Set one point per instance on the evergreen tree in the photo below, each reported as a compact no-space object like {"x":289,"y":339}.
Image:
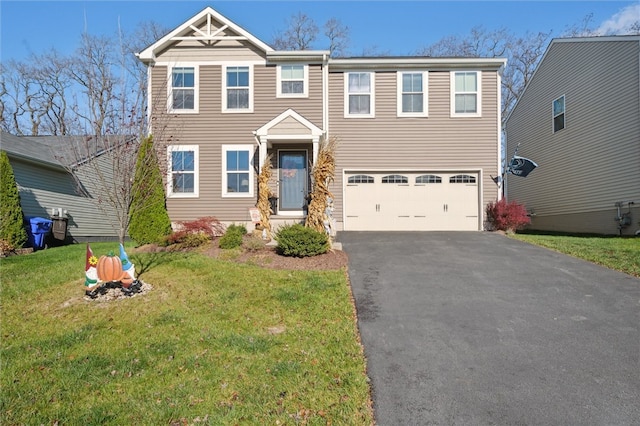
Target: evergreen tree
{"x":11,"y":219}
{"x":149,"y":220}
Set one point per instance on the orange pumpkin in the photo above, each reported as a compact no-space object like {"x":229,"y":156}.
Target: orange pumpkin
{"x":109,"y":268}
{"x":126,"y":280}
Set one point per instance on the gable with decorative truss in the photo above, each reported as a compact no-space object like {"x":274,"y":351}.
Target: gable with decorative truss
{"x":205,"y":31}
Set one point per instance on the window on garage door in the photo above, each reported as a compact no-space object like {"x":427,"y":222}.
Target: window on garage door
{"x":462,"y":179}
{"x":428,"y":179}
{"x":395,"y":179}
{"x":360,"y":179}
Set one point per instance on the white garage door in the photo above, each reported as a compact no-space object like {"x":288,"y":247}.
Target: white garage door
{"x":415,"y":201}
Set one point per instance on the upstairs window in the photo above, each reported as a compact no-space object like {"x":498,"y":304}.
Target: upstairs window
{"x":558,"y":114}
{"x":465,"y":93}
{"x":183,"y":171}
{"x":412,"y":94}
{"x":293,"y":81}
{"x":237,"y":89}
{"x":359,"y":94}
{"x":183,"y":91}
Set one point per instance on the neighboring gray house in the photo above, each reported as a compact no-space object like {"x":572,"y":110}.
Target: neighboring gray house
{"x":418,"y":137}
{"x":45,"y":185}
{"x":579,"y":119}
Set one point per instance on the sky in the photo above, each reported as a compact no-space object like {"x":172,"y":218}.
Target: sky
{"x":393,"y":27}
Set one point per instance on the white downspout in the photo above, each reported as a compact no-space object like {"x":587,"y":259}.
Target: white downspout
{"x":325,"y":95}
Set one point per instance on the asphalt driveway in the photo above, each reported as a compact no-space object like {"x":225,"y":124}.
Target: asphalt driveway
{"x":474,"y":328}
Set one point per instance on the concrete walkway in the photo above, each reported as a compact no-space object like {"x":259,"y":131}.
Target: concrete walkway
{"x":472,"y":328}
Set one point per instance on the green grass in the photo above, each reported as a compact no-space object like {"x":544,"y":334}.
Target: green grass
{"x":213,"y":343}
{"x":619,"y":253}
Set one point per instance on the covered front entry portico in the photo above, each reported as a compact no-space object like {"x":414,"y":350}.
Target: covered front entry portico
{"x":293,"y":142}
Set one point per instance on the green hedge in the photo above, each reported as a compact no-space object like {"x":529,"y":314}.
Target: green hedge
{"x":300,"y":241}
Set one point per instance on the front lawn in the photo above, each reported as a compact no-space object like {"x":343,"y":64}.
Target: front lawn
{"x":619,"y":253}
{"x":214,"y":343}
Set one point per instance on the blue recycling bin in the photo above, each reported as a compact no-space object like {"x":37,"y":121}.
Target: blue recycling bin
{"x":37,"y":230}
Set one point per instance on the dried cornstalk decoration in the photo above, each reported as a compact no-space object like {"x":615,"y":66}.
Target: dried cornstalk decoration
{"x":318,"y":217}
{"x":264,"y":193}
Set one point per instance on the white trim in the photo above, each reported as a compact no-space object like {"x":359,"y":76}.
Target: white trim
{"x":196,"y":88}
{"x":210,"y":62}
{"x":425,"y":94}
{"x":227,"y":110}
{"x":241,"y":147}
{"x":305,"y":82}
{"x":314,"y":131}
{"x":196,"y":171}
{"x":478,"y":94}
{"x":372,"y":95}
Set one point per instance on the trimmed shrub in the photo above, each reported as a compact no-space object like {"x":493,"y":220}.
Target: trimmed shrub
{"x":148,"y":218}
{"x":232,"y":238}
{"x":11,"y":218}
{"x":507,"y":216}
{"x":300,"y":241}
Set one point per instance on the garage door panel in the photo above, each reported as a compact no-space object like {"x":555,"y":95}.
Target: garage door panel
{"x":404,"y":201}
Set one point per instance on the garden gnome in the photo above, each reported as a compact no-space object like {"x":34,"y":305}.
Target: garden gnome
{"x":127,"y":267}
{"x":90,"y":271}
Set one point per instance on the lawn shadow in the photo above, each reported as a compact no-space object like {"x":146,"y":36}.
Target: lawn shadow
{"x":147,"y":261}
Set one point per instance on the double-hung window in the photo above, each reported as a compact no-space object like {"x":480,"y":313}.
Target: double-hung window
{"x":359,"y":88}
{"x":237,"y":170}
{"x":182,"y":179}
{"x":293,"y":81}
{"x":465,"y":93}
{"x":558,"y":114}
{"x":183,"y":96}
{"x":237,"y":89}
{"x":412,"y":94}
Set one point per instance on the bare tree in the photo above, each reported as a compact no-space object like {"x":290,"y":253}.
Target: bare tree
{"x":300,"y":33}
{"x":338,"y":35}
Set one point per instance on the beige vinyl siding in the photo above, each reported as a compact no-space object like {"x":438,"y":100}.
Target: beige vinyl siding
{"x":600,"y":221}
{"x":595,"y":160}
{"x":210,"y":129}
{"x":437,"y":142}
{"x":42,"y":189}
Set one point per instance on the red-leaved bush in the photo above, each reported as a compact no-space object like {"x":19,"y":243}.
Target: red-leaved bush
{"x":507,"y":216}
{"x":206,"y":225}
{"x":195,"y":232}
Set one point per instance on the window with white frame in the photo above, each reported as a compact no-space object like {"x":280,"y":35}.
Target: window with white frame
{"x":182,"y":179}
{"x":359,"y":88}
{"x":558,"y":114}
{"x":183,"y":96}
{"x":293,"y":81}
{"x":465,"y":93}
{"x":237,"y":89}
{"x":237,"y":170}
{"x":412,"y":94}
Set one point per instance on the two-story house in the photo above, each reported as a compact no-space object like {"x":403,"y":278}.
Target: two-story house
{"x":418,"y":137}
{"x":579,"y":119}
